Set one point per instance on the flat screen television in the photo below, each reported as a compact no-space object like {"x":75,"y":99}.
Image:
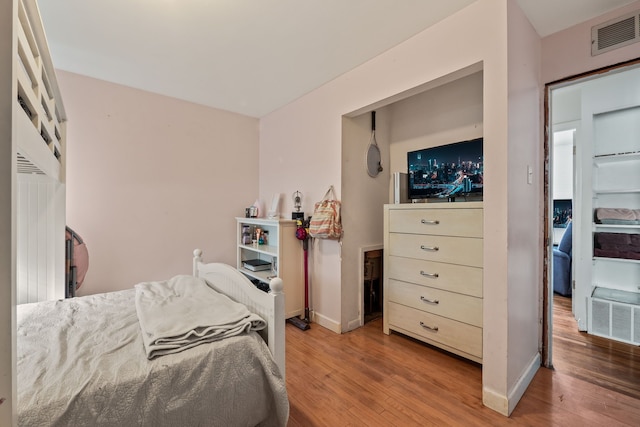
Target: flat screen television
{"x":447,"y":171}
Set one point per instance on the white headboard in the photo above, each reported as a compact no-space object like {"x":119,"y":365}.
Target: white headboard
{"x":270,"y":306}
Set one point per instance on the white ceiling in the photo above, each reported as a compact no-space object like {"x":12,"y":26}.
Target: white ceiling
{"x":252,"y":56}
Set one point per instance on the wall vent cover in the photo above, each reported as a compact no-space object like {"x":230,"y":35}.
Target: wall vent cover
{"x":26,"y":166}
{"x":618,"y":32}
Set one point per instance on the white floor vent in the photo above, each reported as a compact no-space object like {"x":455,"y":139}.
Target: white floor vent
{"x":618,"y":320}
{"x":619,"y":32}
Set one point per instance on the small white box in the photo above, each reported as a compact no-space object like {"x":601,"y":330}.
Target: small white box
{"x":400,"y":194}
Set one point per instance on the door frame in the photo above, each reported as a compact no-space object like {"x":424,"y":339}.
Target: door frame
{"x":547,"y":288}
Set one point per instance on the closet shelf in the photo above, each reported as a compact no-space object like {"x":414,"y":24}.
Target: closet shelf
{"x":620,"y":260}
{"x":615,"y":191}
{"x":262,"y":249}
{"x":616,"y":226}
{"x":616,"y":157}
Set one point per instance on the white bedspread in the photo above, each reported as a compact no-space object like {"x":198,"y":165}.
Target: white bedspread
{"x":81,"y":362}
{"x":184,"y":311}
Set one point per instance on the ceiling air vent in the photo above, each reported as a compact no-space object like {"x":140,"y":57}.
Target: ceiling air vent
{"x":616,"y":33}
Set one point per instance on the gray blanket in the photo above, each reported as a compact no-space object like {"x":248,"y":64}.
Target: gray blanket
{"x":183,"y":312}
{"x":82,"y":362}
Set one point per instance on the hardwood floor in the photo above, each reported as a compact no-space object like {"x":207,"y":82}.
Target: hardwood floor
{"x":366,"y":378}
{"x":609,"y":364}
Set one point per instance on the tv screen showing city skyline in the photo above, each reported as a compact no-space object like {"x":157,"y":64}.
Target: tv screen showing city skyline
{"x":446,"y":170}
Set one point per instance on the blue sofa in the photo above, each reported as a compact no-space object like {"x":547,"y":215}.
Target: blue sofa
{"x":562,"y":264}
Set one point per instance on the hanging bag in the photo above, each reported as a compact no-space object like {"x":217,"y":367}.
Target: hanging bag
{"x":325,"y":221}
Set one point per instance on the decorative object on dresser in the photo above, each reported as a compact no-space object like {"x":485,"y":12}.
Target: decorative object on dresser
{"x":280,"y":252}
{"x":400,"y":181}
{"x":433,"y":263}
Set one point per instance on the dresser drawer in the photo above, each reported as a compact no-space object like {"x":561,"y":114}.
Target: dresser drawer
{"x":442,"y":222}
{"x":454,"y":250}
{"x":451,"y":333}
{"x":450,"y":277}
{"x":462,"y":308}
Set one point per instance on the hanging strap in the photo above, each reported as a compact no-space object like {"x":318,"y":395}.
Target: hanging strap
{"x":330,"y":192}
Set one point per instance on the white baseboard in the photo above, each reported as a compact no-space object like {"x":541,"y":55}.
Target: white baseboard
{"x":354,"y":324}
{"x":325,"y":322}
{"x":506,"y":404}
{"x":495,"y":401}
{"x":523,"y":382}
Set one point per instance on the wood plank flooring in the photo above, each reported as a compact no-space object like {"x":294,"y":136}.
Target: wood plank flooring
{"x":366,"y":378}
{"x":606,"y":363}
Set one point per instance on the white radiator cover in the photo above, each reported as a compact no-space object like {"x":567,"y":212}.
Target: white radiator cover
{"x":40,"y":238}
{"x":615,"y":320}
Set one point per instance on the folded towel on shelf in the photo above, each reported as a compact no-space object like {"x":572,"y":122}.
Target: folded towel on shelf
{"x":184,"y":311}
{"x":606,"y":253}
{"x":608,"y":240}
{"x":618,"y":213}
{"x":616,"y":245}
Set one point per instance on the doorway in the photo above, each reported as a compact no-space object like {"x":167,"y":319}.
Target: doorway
{"x":372,"y":284}
{"x":565,"y":117}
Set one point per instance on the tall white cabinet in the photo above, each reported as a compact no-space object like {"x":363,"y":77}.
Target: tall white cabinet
{"x":282,"y":250}
{"x":607,"y":232}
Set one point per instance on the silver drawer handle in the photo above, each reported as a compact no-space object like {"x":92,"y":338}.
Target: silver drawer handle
{"x":430,"y":222}
{"x":429,"y":248}
{"x":431,"y":328}
{"x":430,"y":275}
{"x":430,"y":301}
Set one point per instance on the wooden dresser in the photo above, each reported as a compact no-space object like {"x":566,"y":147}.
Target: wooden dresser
{"x":433,"y":274}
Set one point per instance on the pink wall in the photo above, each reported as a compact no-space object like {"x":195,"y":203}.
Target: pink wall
{"x":567,"y":53}
{"x":151,"y":178}
{"x":525,"y":196}
{"x":300,"y":145}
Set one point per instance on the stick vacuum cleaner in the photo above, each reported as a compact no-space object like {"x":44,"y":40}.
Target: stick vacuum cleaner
{"x":302,"y":234}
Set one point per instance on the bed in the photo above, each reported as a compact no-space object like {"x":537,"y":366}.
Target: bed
{"x":82,"y":361}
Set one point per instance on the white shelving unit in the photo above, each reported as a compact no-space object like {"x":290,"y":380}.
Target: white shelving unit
{"x":614,"y":301}
{"x":282,"y":250}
